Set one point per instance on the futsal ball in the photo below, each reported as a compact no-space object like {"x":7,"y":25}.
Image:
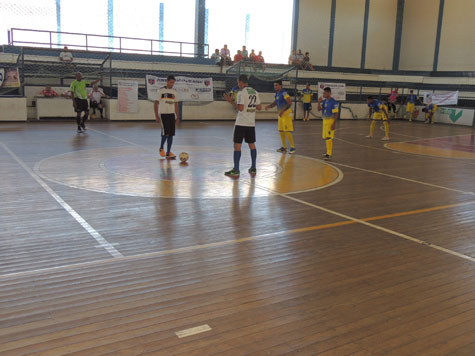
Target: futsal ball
{"x":184,"y":156}
{"x":93,"y":116}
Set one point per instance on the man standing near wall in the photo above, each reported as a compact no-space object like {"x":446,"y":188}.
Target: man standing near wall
{"x":79,"y":96}
{"x":411,"y":104}
{"x":307,"y":94}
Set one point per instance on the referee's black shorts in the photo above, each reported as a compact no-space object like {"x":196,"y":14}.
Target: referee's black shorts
{"x":81,"y":105}
{"x":246,"y":133}
{"x":168,"y":124}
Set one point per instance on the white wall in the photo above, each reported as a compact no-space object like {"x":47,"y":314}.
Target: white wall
{"x":457,"y":42}
{"x":348,"y":40}
{"x":419,"y":34}
{"x":13,"y":109}
{"x":314,"y":29}
{"x":381,"y":34}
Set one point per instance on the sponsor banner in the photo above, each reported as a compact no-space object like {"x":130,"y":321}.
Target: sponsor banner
{"x":128,"y":96}
{"x":189,"y":89}
{"x":338,"y":90}
{"x":9,"y":78}
{"x":454,"y":116}
{"x":450,"y":98}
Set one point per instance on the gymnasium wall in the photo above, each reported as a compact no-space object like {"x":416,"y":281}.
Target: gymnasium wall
{"x":381,"y":32}
{"x":419,"y":31}
{"x":418,"y":37}
{"x":457,"y":42}
{"x":314,"y":29}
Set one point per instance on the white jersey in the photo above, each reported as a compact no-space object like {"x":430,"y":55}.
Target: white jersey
{"x":66,"y":56}
{"x":167,"y":99}
{"x":248,"y":97}
{"x":96,"y":96}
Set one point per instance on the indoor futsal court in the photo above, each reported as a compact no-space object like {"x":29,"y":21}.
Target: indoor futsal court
{"x":371,"y":253}
{"x":244,"y":178}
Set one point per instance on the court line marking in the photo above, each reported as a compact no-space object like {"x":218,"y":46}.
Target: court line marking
{"x":393,"y":176}
{"x":94,"y":233}
{"x":232,"y":242}
{"x":193,"y":331}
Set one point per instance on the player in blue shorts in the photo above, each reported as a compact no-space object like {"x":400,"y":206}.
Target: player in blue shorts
{"x":307,"y":94}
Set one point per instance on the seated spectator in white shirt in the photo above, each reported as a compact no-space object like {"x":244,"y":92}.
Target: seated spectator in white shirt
{"x":216,"y":56}
{"x":300,"y":56}
{"x":66,"y":56}
{"x":293,"y":59}
{"x":95,"y":101}
{"x":226,"y":55}
{"x":48,"y":92}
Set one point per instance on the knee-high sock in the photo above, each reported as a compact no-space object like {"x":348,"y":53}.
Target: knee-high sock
{"x":253,"y":158}
{"x":78,"y":119}
{"x":169,"y":143}
{"x":84,"y":119}
{"x":290,"y":138}
{"x":371,"y":128}
{"x":101,"y":110}
{"x":237,"y":158}
{"x":164,"y":139}
{"x":282,"y":138}
{"x":329,"y":143}
{"x":386,"y":128}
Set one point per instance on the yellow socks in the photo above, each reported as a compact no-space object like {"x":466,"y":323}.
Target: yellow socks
{"x":329,"y":143}
{"x":291,"y":139}
{"x":386,"y":128}
{"x":371,"y":128}
{"x":282,"y":138}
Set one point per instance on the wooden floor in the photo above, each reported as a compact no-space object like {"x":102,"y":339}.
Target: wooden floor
{"x":107,"y":250}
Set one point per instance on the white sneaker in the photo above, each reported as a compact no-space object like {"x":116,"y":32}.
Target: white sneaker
{"x":369,"y":136}
{"x":385,"y":138}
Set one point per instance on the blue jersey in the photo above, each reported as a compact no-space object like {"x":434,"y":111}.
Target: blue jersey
{"x":329,"y":108}
{"x":234,"y":92}
{"x":376,"y":106}
{"x":281,"y":99}
{"x":412,"y":98}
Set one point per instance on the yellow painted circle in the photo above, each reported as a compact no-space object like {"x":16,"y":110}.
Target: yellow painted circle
{"x":140,"y":171}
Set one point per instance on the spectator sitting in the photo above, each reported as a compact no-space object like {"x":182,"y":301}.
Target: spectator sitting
{"x":293,"y":59}
{"x":305,"y":64}
{"x":300,"y":56}
{"x":95,"y":101}
{"x":260,"y":59}
{"x":245,"y":53}
{"x":66,"y":55}
{"x":238,"y":57}
{"x":48,"y":92}
{"x":217,"y":57}
{"x":226,"y":55}
{"x":252,"y":56}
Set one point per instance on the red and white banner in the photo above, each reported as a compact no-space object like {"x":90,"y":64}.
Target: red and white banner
{"x":450,"y":98}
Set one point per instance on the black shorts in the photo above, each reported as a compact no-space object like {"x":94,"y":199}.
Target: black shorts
{"x":307,"y":106}
{"x":81,"y":105}
{"x":94,"y":104}
{"x":168,"y":124}
{"x":246,"y":133}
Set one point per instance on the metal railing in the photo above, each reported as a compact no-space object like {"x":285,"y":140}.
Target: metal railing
{"x":87,"y":41}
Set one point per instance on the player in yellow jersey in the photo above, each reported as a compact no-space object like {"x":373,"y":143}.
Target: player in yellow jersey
{"x":307,"y":94}
{"x":286,"y":124}
{"x":378,"y":111}
{"x":329,"y":108}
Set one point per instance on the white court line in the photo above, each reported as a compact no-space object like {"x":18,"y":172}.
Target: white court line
{"x":96,"y":235}
{"x":377,"y":227}
{"x":193,"y":331}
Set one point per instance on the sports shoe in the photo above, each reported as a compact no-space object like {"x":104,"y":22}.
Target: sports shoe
{"x":369,"y":136}
{"x":232,"y":173}
{"x":327,"y":157}
{"x":252,"y":171}
{"x":385,"y":138}
{"x":292,"y":151}
{"x":282,"y":150}
{"x":162,"y":152}
{"x":80,"y":130}
{"x":170,"y":155}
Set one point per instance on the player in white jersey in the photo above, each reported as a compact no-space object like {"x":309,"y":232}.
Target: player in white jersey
{"x":167,"y":114}
{"x":248,"y":102}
